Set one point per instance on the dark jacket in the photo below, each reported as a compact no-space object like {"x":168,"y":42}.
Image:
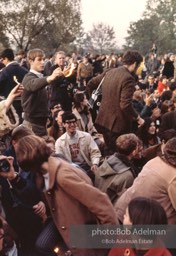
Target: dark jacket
{"x":59,"y":91}
{"x":168,"y":121}
{"x":168,"y":69}
{"x":7,"y":82}
{"x":18,"y":200}
{"x":34,"y":99}
{"x":116,"y":112}
{"x":138,"y":105}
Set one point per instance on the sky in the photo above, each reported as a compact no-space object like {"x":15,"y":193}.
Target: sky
{"x":116,"y":13}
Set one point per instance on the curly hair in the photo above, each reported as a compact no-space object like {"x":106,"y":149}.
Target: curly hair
{"x":126,"y":143}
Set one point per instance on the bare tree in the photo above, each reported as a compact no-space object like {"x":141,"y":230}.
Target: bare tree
{"x":102,"y":37}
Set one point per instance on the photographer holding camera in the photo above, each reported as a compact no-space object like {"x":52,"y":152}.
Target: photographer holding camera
{"x":21,"y":199}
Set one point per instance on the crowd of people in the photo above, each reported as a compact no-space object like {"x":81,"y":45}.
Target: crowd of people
{"x":67,"y":162}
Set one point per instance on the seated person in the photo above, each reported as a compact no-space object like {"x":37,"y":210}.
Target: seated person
{"x":78,"y":146}
{"x":150,"y":84}
{"x":168,"y":121}
{"x":117,"y":173}
{"x":84,"y":118}
{"x":52,"y":113}
{"x":162,"y":84}
{"x":148,"y":133}
{"x":143,"y":211}
{"x":21,"y":198}
{"x":69,"y":192}
{"x":158,"y":149}
{"x":138,"y":102}
{"x":56,"y":129}
{"x":156,"y":181}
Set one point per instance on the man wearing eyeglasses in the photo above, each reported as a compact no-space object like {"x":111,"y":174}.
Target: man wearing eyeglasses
{"x":78,"y":146}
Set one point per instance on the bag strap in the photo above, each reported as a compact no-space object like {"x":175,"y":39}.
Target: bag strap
{"x":99,"y":86}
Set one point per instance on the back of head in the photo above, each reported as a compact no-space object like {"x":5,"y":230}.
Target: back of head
{"x":68,"y":115}
{"x":7,"y":53}
{"x":49,"y":139}
{"x":146,"y":211}
{"x":126,"y":143}
{"x":172,"y":86}
{"x":20,"y":132}
{"x":167,"y":135}
{"x":166,"y":95}
{"x":131,"y":57}
{"x":32,"y":151}
{"x":165,"y":105}
{"x":170,"y":151}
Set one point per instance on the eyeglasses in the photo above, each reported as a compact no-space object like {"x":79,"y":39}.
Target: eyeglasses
{"x":70,"y":122}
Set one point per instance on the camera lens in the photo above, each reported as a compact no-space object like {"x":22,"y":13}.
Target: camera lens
{"x":4,"y":165}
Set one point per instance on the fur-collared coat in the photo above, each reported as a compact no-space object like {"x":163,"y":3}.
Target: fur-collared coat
{"x":9,"y":120}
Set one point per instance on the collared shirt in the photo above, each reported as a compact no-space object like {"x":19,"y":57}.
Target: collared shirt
{"x":11,"y":63}
{"x":40,"y":75}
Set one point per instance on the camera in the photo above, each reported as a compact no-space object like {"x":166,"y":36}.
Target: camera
{"x":4,"y":165}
